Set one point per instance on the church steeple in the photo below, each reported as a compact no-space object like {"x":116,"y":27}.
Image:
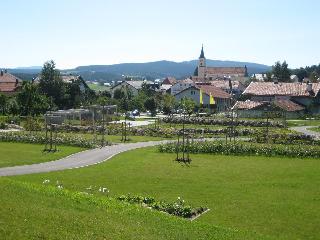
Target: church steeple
{"x":202,"y":53}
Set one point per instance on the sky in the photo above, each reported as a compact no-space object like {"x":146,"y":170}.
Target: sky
{"x":97,"y":32}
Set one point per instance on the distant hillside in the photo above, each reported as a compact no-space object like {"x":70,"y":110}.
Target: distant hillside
{"x":149,"y":70}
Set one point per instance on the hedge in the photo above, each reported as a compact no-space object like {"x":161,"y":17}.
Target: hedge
{"x":222,"y":122}
{"x":41,"y":139}
{"x":243,"y":148}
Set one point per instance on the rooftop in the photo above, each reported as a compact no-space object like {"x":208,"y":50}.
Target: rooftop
{"x":282,"y":89}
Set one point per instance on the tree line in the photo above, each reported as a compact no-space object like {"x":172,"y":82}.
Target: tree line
{"x":281,"y":72}
{"x":50,"y":92}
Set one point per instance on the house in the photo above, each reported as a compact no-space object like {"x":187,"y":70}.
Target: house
{"x":165,"y":88}
{"x":76,"y":79}
{"x":169,"y":81}
{"x":260,"y":77}
{"x":304,"y":94}
{"x":222,"y":99}
{"x":181,"y":85}
{"x":234,"y":87}
{"x":9,"y":84}
{"x":294,"y":78}
{"x":71,"y":79}
{"x":131,"y":86}
{"x":204,"y":73}
{"x":254,"y":109}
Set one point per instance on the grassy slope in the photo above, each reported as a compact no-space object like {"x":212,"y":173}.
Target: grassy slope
{"x":316,"y":129}
{"x":13,"y":154}
{"x":294,"y":123}
{"x":32,"y":212}
{"x":97,"y":87}
{"x":272,"y":196}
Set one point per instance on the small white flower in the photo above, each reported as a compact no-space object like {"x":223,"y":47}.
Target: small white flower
{"x":60,"y":186}
{"x":103,"y":190}
{"x":46,"y":181}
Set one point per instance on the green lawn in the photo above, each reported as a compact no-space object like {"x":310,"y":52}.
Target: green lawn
{"x":13,"y":154}
{"x":38,"y":212}
{"x":277,"y":197}
{"x":316,"y":129}
{"x":98,"y":87}
{"x":295,"y":123}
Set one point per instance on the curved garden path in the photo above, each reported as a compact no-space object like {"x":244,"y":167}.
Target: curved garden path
{"x":305,"y":130}
{"x":77,"y":160}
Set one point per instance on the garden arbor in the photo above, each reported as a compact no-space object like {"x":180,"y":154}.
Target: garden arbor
{"x":94,"y":117}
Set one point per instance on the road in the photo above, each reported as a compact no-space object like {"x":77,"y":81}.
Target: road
{"x":306,"y":131}
{"x":81,"y":159}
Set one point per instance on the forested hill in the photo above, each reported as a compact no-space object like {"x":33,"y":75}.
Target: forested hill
{"x":149,"y":70}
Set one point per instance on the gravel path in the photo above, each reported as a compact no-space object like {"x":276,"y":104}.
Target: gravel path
{"x":81,"y":159}
{"x":306,"y":131}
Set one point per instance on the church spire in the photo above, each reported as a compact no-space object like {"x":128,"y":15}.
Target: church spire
{"x":202,"y":53}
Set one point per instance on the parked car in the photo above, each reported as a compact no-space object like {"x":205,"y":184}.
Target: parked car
{"x":136,"y":112}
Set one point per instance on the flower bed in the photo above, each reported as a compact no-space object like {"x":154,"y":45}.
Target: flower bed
{"x":177,"y":208}
{"x":242,"y":148}
{"x":291,"y":138}
{"x":222,"y":122}
{"x":41,"y":139}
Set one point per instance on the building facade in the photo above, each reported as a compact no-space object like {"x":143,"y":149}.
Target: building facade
{"x":204,"y":73}
{"x":223,"y":100}
{"x":9,"y":84}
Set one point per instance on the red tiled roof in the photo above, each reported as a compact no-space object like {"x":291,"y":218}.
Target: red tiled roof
{"x":281,"y":89}
{"x":9,"y":83}
{"x":288,"y":105}
{"x":246,"y":105}
{"x":226,"y":70}
{"x":215,"y":92}
{"x":224,"y":84}
{"x":169,"y":80}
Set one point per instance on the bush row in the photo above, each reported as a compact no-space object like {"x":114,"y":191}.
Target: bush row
{"x":177,"y":208}
{"x":41,"y":139}
{"x":291,"y":138}
{"x":242,"y":148}
{"x":222,"y":122}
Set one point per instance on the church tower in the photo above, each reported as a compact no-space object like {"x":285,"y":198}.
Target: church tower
{"x":202,"y":65}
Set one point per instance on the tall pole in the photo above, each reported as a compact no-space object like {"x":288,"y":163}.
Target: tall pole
{"x":183,"y":134}
{"x":102,"y":143}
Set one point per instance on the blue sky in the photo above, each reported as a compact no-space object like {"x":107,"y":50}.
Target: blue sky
{"x":83,"y":32}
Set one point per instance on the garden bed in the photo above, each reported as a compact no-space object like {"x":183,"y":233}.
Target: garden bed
{"x":177,"y":208}
{"x":221,"y":122}
{"x":243,"y":148}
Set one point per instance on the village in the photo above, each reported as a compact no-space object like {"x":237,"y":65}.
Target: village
{"x":191,"y":120}
{"x":212,"y":89}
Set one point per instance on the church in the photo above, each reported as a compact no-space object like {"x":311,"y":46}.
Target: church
{"x":203,"y":73}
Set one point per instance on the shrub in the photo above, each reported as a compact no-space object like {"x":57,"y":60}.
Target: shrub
{"x":222,"y":122}
{"x":242,"y":148}
{"x":41,"y":139}
{"x":3,"y":125}
{"x":33,"y":124}
{"x":177,"y":208}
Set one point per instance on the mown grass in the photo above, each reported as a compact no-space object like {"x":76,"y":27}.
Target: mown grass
{"x":37,"y":212}
{"x":296,"y":123}
{"x":316,"y":129}
{"x":98,"y":87}
{"x":13,"y":154}
{"x":268,"y":195}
